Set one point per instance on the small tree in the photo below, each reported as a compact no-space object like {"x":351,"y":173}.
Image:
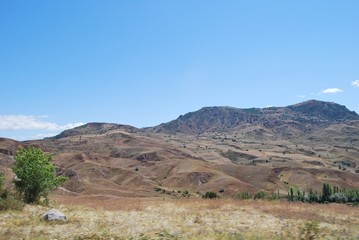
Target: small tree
{"x":291,"y":195}
{"x":35,"y":174}
{"x":260,"y":195}
{"x":327,"y":191}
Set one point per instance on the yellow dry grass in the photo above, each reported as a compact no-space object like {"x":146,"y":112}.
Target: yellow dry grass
{"x":130,"y":218}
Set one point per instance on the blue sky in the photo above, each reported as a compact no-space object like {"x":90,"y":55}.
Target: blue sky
{"x":63,"y":63}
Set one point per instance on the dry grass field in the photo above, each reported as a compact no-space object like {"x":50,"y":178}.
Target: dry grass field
{"x":128,"y":183}
{"x":194,"y":218}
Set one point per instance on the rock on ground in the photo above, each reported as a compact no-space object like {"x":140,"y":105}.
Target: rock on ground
{"x":54,"y":215}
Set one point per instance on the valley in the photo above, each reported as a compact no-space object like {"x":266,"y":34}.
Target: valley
{"x":223,"y":150}
{"x":130,"y":183}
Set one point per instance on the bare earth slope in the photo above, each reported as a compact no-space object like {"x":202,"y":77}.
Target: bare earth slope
{"x":217,"y":148}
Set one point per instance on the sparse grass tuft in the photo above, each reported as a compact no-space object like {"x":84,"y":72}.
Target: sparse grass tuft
{"x":310,"y":231}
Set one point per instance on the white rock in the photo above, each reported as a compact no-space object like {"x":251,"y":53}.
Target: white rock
{"x":54,"y":215}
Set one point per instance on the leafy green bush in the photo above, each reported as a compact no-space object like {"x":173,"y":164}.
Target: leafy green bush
{"x":35,"y":174}
{"x":210,"y":195}
{"x":260,"y":195}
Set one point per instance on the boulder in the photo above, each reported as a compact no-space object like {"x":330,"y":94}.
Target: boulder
{"x":54,"y":215}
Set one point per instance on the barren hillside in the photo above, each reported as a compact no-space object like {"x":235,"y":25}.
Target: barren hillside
{"x":213,"y":149}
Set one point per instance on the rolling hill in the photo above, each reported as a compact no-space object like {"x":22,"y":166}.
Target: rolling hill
{"x":215,"y":148}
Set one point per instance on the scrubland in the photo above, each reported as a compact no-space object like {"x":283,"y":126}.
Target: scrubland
{"x":193,"y":218}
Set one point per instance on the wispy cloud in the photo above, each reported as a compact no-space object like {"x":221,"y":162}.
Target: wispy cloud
{"x":332,"y":90}
{"x":31,"y":122}
{"x":42,"y":135}
{"x":355,"y":83}
{"x":301,"y":96}
{"x":33,"y":137}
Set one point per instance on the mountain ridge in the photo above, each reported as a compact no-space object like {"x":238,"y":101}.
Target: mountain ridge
{"x":93,"y":128}
{"x":311,"y":112}
{"x":224,"y":118}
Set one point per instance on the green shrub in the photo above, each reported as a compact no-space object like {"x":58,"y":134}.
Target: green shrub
{"x":186,"y":194}
{"x":210,"y":195}
{"x":260,"y":195}
{"x":274,"y":196}
{"x":35,"y":173}
{"x":244,"y":195}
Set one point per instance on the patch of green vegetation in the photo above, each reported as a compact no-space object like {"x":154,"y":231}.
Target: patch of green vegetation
{"x":330,"y":194}
{"x":186,"y":194}
{"x":210,"y":195}
{"x":259,"y":195}
{"x":8,"y":200}
{"x":36,"y":175}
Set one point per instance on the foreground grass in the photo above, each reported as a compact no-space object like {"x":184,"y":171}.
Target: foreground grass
{"x":94,"y":218}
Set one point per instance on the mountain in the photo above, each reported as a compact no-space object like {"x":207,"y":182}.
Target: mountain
{"x":215,"y":149}
{"x":325,"y":111}
{"x":301,"y":116}
{"x":92,"y":128}
{"x":210,"y":119}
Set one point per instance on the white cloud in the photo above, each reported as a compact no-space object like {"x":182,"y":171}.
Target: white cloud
{"x":32,"y":137}
{"x":301,"y":96}
{"x":42,"y":135}
{"x":332,"y":90}
{"x":355,"y":83}
{"x":30,"y":122}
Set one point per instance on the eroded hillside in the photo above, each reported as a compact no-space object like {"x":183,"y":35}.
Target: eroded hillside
{"x":231,"y":150}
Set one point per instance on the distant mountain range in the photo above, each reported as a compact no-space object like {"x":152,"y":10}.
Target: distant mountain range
{"x":300,"y":116}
